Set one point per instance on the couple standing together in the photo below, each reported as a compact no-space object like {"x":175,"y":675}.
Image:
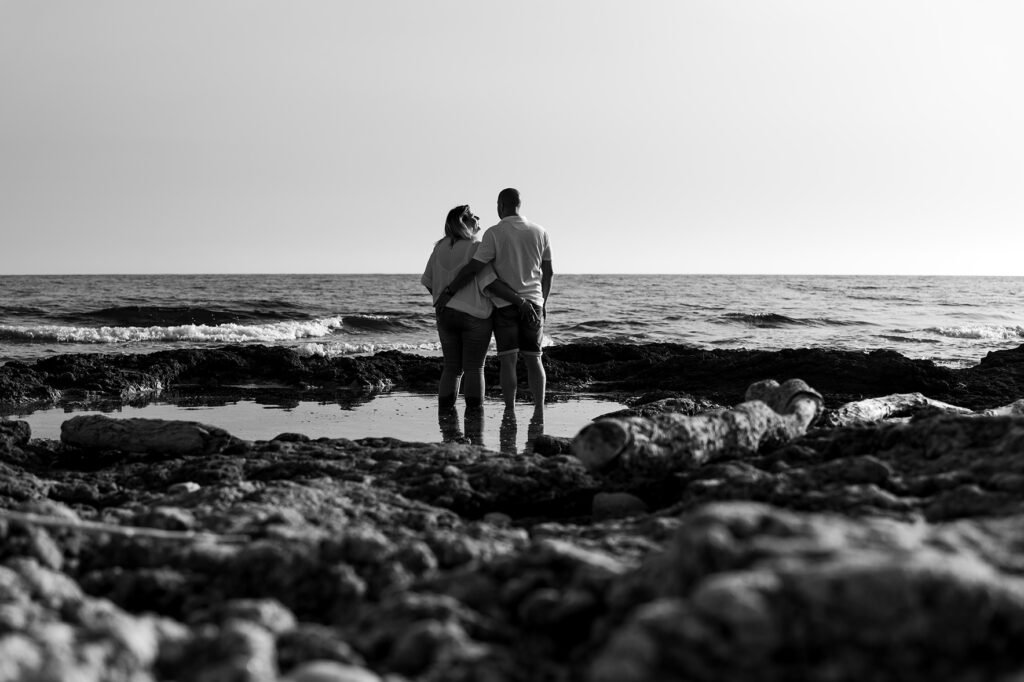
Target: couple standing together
{"x":495,"y":284}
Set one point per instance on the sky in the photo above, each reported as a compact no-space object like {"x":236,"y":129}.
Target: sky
{"x":646,"y":136}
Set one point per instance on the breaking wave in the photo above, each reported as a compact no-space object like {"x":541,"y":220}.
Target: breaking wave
{"x":177,"y":316}
{"x":332,"y":350}
{"x":775,"y":320}
{"x":984,"y":332}
{"x":222,"y":333}
{"x":382,"y":322}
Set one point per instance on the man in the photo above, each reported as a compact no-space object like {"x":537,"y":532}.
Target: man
{"x":521,"y":255}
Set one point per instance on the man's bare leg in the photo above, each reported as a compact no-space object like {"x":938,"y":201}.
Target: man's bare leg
{"x":537,"y":379}
{"x":508,"y":378}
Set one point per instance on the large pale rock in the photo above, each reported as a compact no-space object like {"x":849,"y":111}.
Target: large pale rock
{"x":1014,"y":409}
{"x":887,"y":407}
{"x":650,"y":446}
{"x":158,"y":436}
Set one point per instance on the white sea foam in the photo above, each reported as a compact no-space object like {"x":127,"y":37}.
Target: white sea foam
{"x":222,"y":333}
{"x":336,"y":349}
{"x":983,"y":332}
{"x":332,"y":350}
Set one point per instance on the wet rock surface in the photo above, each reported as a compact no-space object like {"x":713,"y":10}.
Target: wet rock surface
{"x":849,"y":550}
{"x":668,"y":370}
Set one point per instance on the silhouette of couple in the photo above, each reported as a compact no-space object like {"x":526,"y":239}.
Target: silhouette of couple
{"x":495,"y":283}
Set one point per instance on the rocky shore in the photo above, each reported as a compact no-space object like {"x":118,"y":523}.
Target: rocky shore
{"x":733,"y":532}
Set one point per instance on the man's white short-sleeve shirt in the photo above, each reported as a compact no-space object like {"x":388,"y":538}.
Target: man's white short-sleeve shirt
{"x":516,"y":247}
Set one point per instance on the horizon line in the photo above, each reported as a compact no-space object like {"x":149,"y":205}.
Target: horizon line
{"x":557,"y":274}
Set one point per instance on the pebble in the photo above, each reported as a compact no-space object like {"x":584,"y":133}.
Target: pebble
{"x":330,"y":671}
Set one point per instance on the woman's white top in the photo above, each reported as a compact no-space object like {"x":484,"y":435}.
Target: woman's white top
{"x":442,"y":267}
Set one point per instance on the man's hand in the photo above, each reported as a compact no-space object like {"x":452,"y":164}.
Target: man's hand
{"x":528,"y":313}
{"x":442,"y":300}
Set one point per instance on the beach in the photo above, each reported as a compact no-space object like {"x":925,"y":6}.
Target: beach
{"x":736,"y":530}
{"x":767,"y":418}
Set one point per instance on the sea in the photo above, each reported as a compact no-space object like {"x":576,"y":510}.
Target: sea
{"x":953,"y":321}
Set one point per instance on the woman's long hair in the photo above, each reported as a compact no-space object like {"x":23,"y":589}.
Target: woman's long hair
{"x":454,"y":228}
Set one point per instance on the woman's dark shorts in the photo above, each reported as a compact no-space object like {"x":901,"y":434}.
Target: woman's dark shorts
{"x":511,"y":333}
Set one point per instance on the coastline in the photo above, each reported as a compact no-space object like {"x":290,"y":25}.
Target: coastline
{"x":624,"y":370}
{"x":430,"y":561}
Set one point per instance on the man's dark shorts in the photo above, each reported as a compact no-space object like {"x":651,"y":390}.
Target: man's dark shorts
{"x":511,"y":333}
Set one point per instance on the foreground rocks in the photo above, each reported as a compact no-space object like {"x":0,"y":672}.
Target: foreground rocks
{"x":849,"y":549}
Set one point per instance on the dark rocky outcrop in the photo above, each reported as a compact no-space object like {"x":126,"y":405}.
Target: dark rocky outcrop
{"x":848,"y":550}
{"x":719,"y":376}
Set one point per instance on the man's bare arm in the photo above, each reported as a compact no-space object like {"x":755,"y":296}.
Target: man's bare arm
{"x":467,"y":273}
{"x":526,"y":310}
{"x":504,"y":291}
{"x":546,"y":275}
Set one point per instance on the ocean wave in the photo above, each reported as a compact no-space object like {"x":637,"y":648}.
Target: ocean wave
{"x":983,"y":332}
{"x":383,"y":322}
{"x":272,"y":303}
{"x":905,"y":339}
{"x":775,"y":320}
{"x":177,"y":316}
{"x":22,"y":310}
{"x":888,"y":298}
{"x":568,"y":336}
{"x":333,"y":349}
{"x":593,"y":325}
{"x":224,"y":333}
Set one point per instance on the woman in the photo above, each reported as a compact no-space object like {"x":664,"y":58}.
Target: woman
{"x":464,"y":325}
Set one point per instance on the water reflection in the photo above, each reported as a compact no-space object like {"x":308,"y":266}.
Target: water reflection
{"x":536,"y":428}
{"x":471,"y":428}
{"x":471,"y":431}
{"x":507,"y":432}
{"x":404,"y":416}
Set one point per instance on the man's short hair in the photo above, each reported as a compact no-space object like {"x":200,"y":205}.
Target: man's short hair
{"x":509,"y":197}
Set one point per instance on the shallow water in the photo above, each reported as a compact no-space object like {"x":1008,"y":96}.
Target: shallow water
{"x":405,"y":416}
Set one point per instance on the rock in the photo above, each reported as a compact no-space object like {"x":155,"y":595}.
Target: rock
{"x":652,"y":404}
{"x":43,"y":549}
{"x":184,"y":488}
{"x":878,"y":550}
{"x":617,"y":506}
{"x":238,"y":651}
{"x":548,"y":446}
{"x":269,"y":614}
{"x":309,"y":642}
{"x":886,"y":407}
{"x":744,"y":588}
{"x":151,"y":436}
{"x":20,"y":658}
{"x":291,"y":438}
{"x":689,"y":374}
{"x":13,"y":434}
{"x":637,"y":446}
{"x":51,"y":588}
{"x":423,"y":643}
{"x":329,"y":671}
{"x":498,"y":519}
{"x":165,"y":518}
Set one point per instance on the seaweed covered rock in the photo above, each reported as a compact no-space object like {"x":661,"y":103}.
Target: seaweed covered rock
{"x":717,"y":376}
